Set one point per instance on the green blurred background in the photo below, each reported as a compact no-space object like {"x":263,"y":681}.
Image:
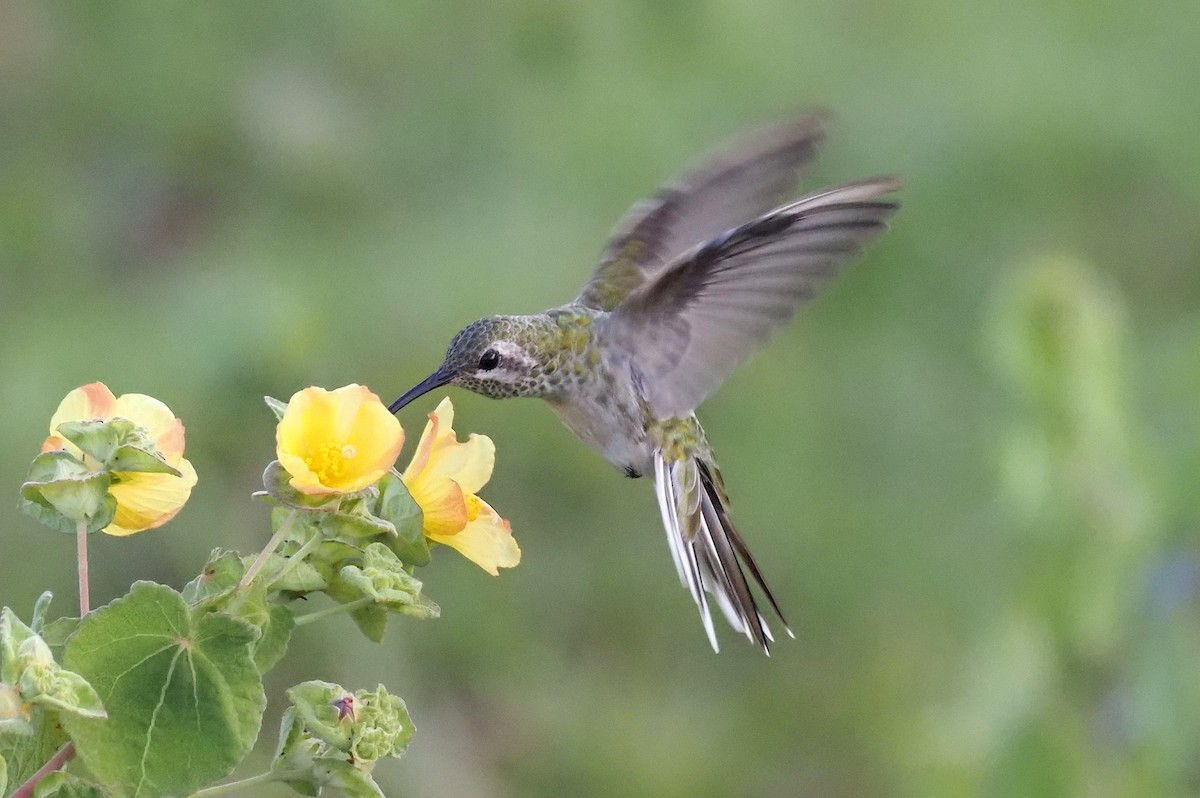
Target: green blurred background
{"x":971,"y":469}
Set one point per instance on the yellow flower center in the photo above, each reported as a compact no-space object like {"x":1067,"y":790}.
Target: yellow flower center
{"x":473,"y":506}
{"x":329,"y":462}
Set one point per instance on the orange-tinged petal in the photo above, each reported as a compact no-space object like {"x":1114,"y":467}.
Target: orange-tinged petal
{"x":469,"y":463}
{"x":54,"y":443}
{"x":442,"y":503}
{"x":420,"y":457}
{"x":440,"y":455}
{"x":487,"y":541}
{"x":84,"y":404}
{"x":146,"y":501}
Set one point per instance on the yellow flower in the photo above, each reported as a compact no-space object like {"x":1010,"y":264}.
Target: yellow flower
{"x":443,"y":477}
{"x":144,"y":500}
{"x":334,"y":442}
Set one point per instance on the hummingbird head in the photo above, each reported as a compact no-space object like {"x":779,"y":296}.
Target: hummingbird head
{"x":494,"y":356}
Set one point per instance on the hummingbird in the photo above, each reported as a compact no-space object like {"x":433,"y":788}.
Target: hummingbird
{"x":690,"y":284}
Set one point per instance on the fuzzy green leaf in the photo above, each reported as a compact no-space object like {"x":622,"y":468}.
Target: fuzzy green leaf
{"x":134,"y":458}
{"x":356,"y":529}
{"x":29,"y":676}
{"x":278,"y":485}
{"x":276,"y":635}
{"x":398,"y":507}
{"x":220,"y":574}
{"x":351,"y":781}
{"x":60,"y":491}
{"x":40,"y":608}
{"x":214,"y":590}
{"x":26,"y":752}
{"x":181,"y":688}
{"x":97,"y":439}
{"x":317,"y":706}
{"x":57,"y":631}
{"x":277,"y":407}
{"x":65,"y":785}
{"x":382,"y":577}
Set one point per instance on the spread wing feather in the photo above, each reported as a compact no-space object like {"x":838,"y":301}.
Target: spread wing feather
{"x":688,"y":328}
{"x":743,"y":180}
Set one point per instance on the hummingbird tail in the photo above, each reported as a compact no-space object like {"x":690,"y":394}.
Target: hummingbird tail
{"x":709,"y":552}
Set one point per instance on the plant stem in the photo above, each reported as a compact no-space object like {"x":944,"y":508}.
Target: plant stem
{"x":267,"y":551}
{"x":298,"y":556}
{"x":60,"y":758}
{"x":81,"y":556}
{"x":337,"y":609}
{"x":221,"y":789}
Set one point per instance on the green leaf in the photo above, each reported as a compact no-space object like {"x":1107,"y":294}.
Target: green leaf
{"x":382,"y":577}
{"x":365,"y":725}
{"x":25,"y":753}
{"x":398,"y":507}
{"x":96,"y":438}
{"x":371,"y":619}
{"x":341,"y":775}
{"x":382,"y":726}
{"x":29,"y":676}
{"x":301,"y":578}
{"x":276,"y":635}
{"x":44,"y":682}
{"x":331,"y":555}
{"x":355,"y":529}
{"x":65,"y":785}
{"x":118,"y":444}
{"x":295,"y":753}
{"x":330,"y":737}
{"x":57,"y":631}
{"x":180,"y":688}
{"x":40,"y":608}
{"x":135,"y":458}
{"x":60,"y":491}
{"x":317,"y":705}
{"x":221,"y":573}
{"x":277,"y":483}
{"x":277,"y":407}
{"x":214,"y":590}
{"x":3,"y":776}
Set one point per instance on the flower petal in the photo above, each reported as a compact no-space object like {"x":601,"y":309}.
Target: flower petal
{"x":440,"y":455}
{"x":442,"y":503}
{"x":420,"y":457}
{"x":375,"y":436}
{"x":303,"y":479}
{"x":91,"y":401}
{"x":486,"y":541}
{"x":338,"y":441}
{"x":147,"y":500}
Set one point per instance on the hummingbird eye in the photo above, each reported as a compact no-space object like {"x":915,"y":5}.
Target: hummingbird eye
{"x":489,"y":360}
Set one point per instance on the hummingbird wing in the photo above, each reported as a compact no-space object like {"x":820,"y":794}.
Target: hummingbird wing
{"x":738,"y":182}
{"x":686,"y":330}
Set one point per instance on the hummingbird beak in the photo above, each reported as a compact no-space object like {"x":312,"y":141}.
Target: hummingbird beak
{"x":435,"y":380}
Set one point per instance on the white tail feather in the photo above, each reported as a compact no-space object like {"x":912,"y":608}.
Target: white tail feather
{"x":711,"y":558}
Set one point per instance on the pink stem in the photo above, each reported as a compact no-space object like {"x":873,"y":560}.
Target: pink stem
{"x":57,"y":761}
{"x":81,"y":546}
